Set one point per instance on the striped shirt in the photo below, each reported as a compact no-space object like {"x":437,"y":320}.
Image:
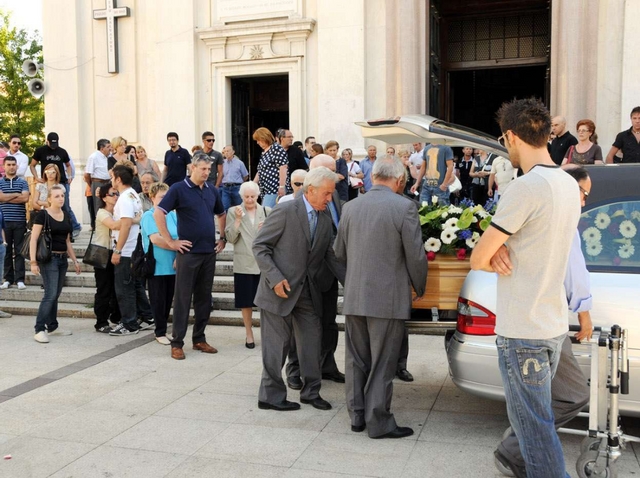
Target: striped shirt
{"x":13,"y":212}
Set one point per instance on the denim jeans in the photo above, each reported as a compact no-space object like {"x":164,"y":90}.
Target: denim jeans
{"x":67,"y":207}
{"x":14,"y":232}
{"x":53,"y":274}
{"x":527,"y":367}
{"x":230,"y":196}
{"x":429,"y":191}
{"x":269,"y":200}
{"x":125,"y":286}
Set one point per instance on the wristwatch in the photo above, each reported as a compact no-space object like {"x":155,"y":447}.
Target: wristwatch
{"x":223,"y":238}
{"x":117,"y":251}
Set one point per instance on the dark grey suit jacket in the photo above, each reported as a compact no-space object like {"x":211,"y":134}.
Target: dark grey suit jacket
{"x":380,"y":241}
{"x":283,"y":250}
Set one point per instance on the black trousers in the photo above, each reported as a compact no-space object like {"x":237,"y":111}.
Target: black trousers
{"x":13,"y":262}
{"x":194,"y":274}
{"x":161,"y":291}
{"x":105,"y":303}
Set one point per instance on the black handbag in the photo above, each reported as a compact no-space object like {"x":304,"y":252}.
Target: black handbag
{"x":43,"y":246}
{"x":143,"y":264}
{"x":95,"y":255}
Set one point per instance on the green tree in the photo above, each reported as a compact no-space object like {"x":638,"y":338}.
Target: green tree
{"x":20,"y":112}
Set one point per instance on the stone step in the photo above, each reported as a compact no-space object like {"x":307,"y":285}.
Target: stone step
{"x":225,"y":256}
{"x":223,"y":268}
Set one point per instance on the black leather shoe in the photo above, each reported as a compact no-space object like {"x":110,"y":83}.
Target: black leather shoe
{"x":357,"y":428}
{"x":517,"y":470}
{"x":334,"y":376}
{"x":318,"y":402}
{"x":404,"y":375}
{"x":294,"y":383}
{"x":250,"y":345}
{"x":285,"y":406}
{"x":399,"y":432}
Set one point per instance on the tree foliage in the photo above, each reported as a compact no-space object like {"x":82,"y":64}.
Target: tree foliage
{"x":20,"y":112}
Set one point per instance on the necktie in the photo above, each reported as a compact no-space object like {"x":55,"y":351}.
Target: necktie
{"x":313,"y":222}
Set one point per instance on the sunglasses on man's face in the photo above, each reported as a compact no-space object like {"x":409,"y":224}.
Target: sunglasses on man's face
{"x":501,"y":139}
{"x":298,"y":184}
{"x":16,"y":142}
{"x":210,"y":140}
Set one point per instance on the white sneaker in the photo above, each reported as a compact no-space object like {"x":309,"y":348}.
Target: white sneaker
{"x":5,"y":285}
{"x":61,"y":332}
{"x":164,"y":340}
{"x":21,"y":286}
{"x":42,"y":337}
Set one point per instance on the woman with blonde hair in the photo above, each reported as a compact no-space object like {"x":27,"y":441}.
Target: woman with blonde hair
{"x":241,"y":231}
{"x":146,"y":164}
{"x":51,"y":175}
{"x":342,"y":186}
{"x":57,"y":221}
{"x":273,"y":167}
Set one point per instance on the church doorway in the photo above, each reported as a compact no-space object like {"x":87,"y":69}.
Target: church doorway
{"x":257,"y":101}
{"x":483,"y":53}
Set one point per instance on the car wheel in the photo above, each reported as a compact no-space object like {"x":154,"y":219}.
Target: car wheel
{"x":586,"y":464}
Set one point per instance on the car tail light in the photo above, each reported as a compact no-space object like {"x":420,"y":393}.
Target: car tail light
{"x":473,"y":319}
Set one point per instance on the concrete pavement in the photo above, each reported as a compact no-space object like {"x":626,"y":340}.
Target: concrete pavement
{"x":90,"y":405}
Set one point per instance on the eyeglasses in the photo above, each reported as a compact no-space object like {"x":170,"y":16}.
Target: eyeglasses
{"x":16,"y":142}
{"x":585,"y":192}
{"x":116,"y":194}
{"x":209,"y":140}
{"x":501,"y":139}
{"x":298,"y":184}
{"x":584,"y":131}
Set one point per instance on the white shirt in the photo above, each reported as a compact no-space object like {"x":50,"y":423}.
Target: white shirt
{"x":97,"y":166}
{"x":23,"y":163}
{"x":288,"y":197}
{"x":416,"y":158}
{"x":128,"y":205}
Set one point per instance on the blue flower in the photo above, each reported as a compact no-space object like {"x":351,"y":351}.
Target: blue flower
{"x":466,"y":202}
{"x":465,"y":234}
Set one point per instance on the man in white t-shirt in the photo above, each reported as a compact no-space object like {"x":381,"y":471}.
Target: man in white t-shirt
{"x":14,"y":150}
{"x":416,"y":157}
{"x":502,"y":173}
{"x":536,"y":221}
{"x":132,"y":298}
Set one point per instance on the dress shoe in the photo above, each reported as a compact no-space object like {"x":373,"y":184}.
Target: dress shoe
{"x":318,"y":402}
{"x":399,"y":432}
{"x":177,"y":353}
{"x":294,"y":383}
{"x":334,"y":376}
{"x":357,"y":428}
{"x":250,"y":345}
{"x":404,"y":375}
{"x":205,"y":347}
{"x":285,"y":406}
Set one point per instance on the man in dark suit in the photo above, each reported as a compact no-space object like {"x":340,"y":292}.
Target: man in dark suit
{"x":379,"y":239}
{"x":327,"y":282}
{"x":291,"y":248}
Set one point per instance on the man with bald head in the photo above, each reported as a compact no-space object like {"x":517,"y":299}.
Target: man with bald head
{"x":562,"y":141}
{"x":327,"y":283}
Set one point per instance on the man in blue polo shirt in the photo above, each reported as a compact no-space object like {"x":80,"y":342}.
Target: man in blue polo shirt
{"x":14,"y":194}
{"x":177,"y":161}
{"x":196,"y":203}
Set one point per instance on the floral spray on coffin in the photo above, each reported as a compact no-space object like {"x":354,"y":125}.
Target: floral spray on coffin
{"x":450,"y":233}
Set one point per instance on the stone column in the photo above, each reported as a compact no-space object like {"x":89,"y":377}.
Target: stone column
{"x":630,"y":74}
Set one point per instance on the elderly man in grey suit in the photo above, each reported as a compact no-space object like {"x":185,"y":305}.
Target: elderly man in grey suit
{"x":377,"y":294}
{"x":291,"y":248}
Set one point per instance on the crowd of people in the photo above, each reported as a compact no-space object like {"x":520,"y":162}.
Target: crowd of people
{"x":297,"y":231}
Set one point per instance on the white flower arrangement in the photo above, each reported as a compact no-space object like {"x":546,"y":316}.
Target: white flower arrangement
{"x":432,"y":245}
{"x":591,"y":234}
{"x":434,"y":200}
{"x":451,"y":223}
{"x":594,"y":248}
{"x":602,"y":220}
{"x":473,"y":240}
{"x":628,"y":229}
{"x":456,"y":210}
{"x":625,"y":251}
{"x":448,"y":235}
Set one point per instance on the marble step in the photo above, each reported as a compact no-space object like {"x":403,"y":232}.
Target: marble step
{"x":223,"y":268}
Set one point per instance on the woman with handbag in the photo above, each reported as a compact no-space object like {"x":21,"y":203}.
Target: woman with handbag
{"x":354,"y":172}
{"x":49,"y":250}
{"x":243,"y":225}
{"x":105,"y":304}
{"x":162,"y":284}
{"x":480,"y":171}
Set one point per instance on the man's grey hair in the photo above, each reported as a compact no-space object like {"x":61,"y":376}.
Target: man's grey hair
{"x":152,"y":174}
{"x":199,"y":157}
{"x":249,"y":186}
{"x":389,"y":167}
{"x":317,"y":176}
{"x":299,"y":174}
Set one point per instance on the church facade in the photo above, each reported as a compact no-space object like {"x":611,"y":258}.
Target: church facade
{"x":142,"y":68}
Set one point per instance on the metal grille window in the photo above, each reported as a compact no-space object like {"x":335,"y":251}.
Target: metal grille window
{"x":498,"y":38}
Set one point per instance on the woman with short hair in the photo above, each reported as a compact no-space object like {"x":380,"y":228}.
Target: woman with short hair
{"x":342,"y":186}
{"x":145,"y":164}
{"x":248,"y":218}
{"x":273,"y":167}
{"x":587,"y":150}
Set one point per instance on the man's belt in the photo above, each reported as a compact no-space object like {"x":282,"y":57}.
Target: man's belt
{"x":96,"y":180}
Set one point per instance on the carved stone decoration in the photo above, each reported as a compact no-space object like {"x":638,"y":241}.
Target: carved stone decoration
{"x":256,"y":52}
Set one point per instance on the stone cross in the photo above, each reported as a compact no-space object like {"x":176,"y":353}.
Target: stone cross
{"x":111,"y":13}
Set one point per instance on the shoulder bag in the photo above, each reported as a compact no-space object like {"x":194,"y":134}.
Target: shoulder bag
{"x":43,"y":246}
{"x":143,"y":264}
{"x":95,"y":255}
{"x":570,"y":155}
{"x":354,"y":182}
